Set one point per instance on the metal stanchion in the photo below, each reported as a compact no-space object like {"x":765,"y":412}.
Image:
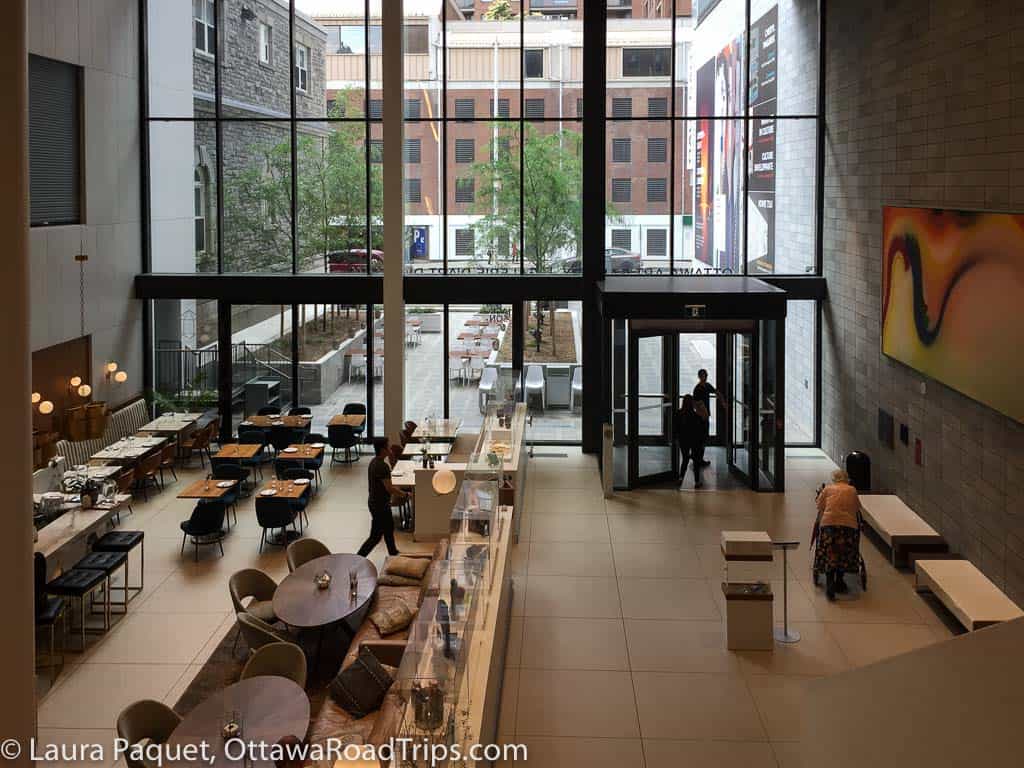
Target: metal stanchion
{"x":784,"y":634}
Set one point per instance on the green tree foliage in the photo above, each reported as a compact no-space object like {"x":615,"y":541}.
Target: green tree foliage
{"x":330,"y":200}
{"x":501,"y":10}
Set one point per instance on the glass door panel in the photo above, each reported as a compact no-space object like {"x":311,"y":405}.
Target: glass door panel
{"x":699,"y":351}
{"x":767,"y":400}
{"x":741,"y":439}
{"x":653,"y":384}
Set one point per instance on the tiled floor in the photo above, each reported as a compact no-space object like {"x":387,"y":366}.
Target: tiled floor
{"x":616,"y":655}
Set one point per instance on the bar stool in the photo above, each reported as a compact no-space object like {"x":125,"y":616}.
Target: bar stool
{"x":76,"y":584}
{"x":109,"y":563}
{"x":125,"y":541}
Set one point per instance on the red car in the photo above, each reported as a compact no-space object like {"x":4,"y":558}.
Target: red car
{"x":354,"y":260}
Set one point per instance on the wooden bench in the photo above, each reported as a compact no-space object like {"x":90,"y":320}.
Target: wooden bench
{"x":966,"y":592}
{"x":899,"y":527}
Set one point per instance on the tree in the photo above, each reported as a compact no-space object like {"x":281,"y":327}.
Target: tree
{"x":501,"y":10}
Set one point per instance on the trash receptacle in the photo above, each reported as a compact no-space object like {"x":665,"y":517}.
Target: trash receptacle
{"x":858,"y":467}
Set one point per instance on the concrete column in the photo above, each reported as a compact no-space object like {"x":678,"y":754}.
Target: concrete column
{"x":17,"y":705}
{"x":393,"y":92}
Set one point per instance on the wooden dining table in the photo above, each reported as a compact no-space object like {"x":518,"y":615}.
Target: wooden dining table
{"x":208,"y":489}
{"x":268,"y":708}
{"x":238,"y":451}
{"x":299,"y":602}
{"x":128,"y":449}
{"x":265,"y":422}
{"x":300,"y":452}
{"x":284,"y":489}
{"x":347,"y":419}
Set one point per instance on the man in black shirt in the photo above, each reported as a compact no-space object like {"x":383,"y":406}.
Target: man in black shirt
{"x":381,"y":490}
{"x":702,"y":394}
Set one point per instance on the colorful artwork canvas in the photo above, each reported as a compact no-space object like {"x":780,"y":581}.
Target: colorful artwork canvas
{"x":952,"y":287}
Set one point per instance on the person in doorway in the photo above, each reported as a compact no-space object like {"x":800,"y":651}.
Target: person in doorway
{"x":837,"y":532}
{"x":688,"y":431}
{"x":702,"y":393}
{"x":381,"y":491}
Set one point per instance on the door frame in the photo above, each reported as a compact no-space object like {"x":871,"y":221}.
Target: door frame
{"x":669,"y":394}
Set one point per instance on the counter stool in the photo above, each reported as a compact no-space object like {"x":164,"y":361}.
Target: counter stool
{"x":76,"y":584}
{"x":109,"y":563}
{"x":125,"y":541}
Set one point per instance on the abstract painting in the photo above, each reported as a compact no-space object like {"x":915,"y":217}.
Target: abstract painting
{"x":952,"y":290}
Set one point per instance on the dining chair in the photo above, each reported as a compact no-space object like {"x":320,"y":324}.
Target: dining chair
{"x":256,"y":587}
{"x":535,"y":384}
{"x":342,"y":437}
{"x":476,"y":367}
{"x":168,"y":454}
{"x":258,"y":633}
{"x":255,"y":437}
{"x":49,"y":610}
{"x":281,"y":437}
{"x":205,"y":526}
{"x":277,"y":659}
{"x":269,"y":410}
{"x":485,"y":389}
{"x":125,"y":484}
{"x":356,"y":409}
{"x":456,"y":368}
{"x":301,"y":551}
{"x":302,"y":502}
{"x":576,"y":391}
{"x":146,"y":720}
{"x":197,"y":442}
{"x":274,"y":514}
{"x":316,"y":464}
{"x":300,"y":410}
{"x":147,"y":473}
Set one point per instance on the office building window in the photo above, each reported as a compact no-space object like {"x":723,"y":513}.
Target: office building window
{"x":376,"y":109}
{"x":622,"y":150}
{"x":199,"y":192}
{"x":646,"y":62}
{"x":657,"y":106}
{"x":500,"y":147}
{"x":657,"y":150}
{"x":412,"y":151}
{"x":657,"y":190}
{"x":412,"y":191}
{"x":464,"y":151}
{"x":622,"y":238}
{"x":535,"y":109}
{"x":465,"y":243}
{"x":376,"y":151}
{"x":266,"y":43}
{"x":54,"y":135}
{"x":622,"y":107}
{"x":465,"y":190}
{"x":533,"y":63}
{"x":579,"y":108}
{"x":465,"y":109}
{"x":302,"y":68}
{"x":203,"y":16}
{"x":622,"y":190}
{"x":412,"y":109}
{"x":503,"y":108}
{"x":657,"y":243}
{"x":417,"y":39}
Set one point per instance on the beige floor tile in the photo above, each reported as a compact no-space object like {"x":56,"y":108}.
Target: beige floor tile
{"x":886,"y":602}
{"x":801,"y":608}
{"x":158,"y":638}
{"x":817,"y":653}
{"x":571,"y":558}
{"x":576,"y":703}
{"x":519,"y":585}
{"x":708,"y":754}
{"x":779,"y":698}
{"x":562,"y":752}
{"x":584,"y":478}
{"x":787,"y":754}
{"x":182,"y":685}
{"x":94,"y":694}
{"x":57,"y":737}
{"x":519,"y":558}
{"x":644,"y":501}
{"x":509,"y":700}
{"x":568,"y":501}
{"x":679,"y":646}
{"x":188,"y":591}
{"x":667,"y":599}
{"x":867,"y":643}
{"x":558,"y":643}
{"x":659,"y":528}
{"x":655,"y":560}
{"x":696,"y":706}
{"x":514,"y":652}
{"x":568,"y":528}
{"x":572,"y":596}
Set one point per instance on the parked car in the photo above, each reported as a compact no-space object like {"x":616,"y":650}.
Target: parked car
{"x":616,"y":261}
{"x":354,"y":260}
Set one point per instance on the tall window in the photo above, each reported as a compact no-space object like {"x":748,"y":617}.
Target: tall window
{"x":54,"y":142}
{"x":200,"y":210}
{"x":203,"y":15}
{"x":266,"y":43}
{"x":646,"y":62}
{"x":533,"y":63}
{"x":302,"y":67}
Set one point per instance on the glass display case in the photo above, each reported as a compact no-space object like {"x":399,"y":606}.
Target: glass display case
{"x":472,"y":523}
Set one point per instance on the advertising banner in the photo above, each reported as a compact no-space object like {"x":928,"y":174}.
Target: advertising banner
{"x":763,"y":99}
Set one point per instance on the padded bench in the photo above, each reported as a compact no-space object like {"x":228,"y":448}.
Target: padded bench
{"x":900,"y":527}
{"x":966,"y":592}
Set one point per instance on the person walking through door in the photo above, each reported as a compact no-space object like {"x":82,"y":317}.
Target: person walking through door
{"x":702,"y":393}
{"x":381,"y":491}
{"x":688,"y":431}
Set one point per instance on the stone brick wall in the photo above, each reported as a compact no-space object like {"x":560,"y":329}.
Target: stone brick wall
{"x":925,"y":108}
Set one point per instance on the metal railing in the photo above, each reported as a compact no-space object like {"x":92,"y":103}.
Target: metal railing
{"x":181,"y":371}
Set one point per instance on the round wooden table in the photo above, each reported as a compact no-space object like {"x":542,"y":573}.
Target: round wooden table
{"x":298,"y":602}
{"x":269,"y":709}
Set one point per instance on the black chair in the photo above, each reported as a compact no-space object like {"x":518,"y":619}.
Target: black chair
{"x":300,"y":410}
{"x":273,"y":514}
{"x":233,"y":471}
{"x":109,"y":563}
{"x":269,"y":410}
{"x":342,"y":437}
{"x":300,"y":504}
{"x":126,"y":541}
{"x":282,"y":437}
{"x":318,"y":462}
{"x":206,"y":526}
{"x":254,"y":437}
{"x":77,"y":584}
{"x":351,"y":409}
{"x":49,"y":610}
